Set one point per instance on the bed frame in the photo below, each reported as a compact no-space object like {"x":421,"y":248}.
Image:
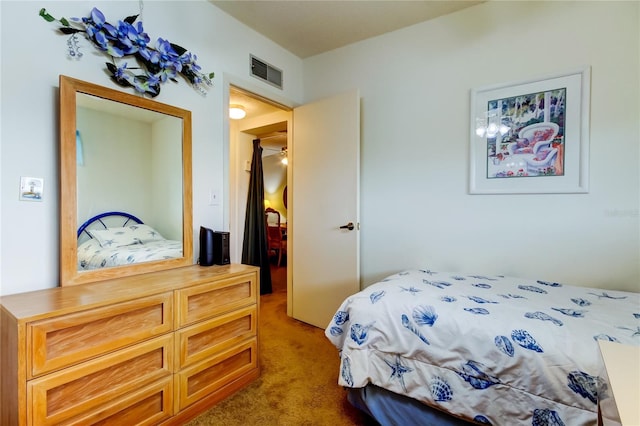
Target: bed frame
{"x":105,"y":221}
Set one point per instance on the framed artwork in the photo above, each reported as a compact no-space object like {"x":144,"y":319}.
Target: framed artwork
{"x":31,"y":188}
{"x":531,"y":136}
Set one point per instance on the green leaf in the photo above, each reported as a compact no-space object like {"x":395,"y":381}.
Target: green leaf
{"x":111,"y":67}
{"x":69,"y":30}
{"x":179,"y":49}
{"x":211,"y":75}
{"x":131,"y":19}
{"x":64,"y":22}
{"x":46,"y":16}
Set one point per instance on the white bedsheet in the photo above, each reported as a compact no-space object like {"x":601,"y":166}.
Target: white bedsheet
{"x":91,"y":255}
{"x":497,"y":350}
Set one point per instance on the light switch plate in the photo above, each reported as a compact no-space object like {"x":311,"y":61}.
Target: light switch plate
{"x":214,"y":197}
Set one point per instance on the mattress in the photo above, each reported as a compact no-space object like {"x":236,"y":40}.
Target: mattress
{"x":91,"y":255}
{"x":488,"y":349}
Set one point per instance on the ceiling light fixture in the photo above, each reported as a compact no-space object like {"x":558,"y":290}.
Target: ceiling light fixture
{"x":237,"y":112}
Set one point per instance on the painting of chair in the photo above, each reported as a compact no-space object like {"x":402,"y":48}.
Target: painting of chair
{"x":542,"y":161}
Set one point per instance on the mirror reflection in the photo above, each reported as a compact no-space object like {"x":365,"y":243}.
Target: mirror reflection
{"x":125,"y":184}
{"x":128,"y":160}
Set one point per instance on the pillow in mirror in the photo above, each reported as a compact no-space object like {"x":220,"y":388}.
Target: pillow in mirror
{"x":145,"y":233}
{"x":114,"y":237}
{"x":125,"y":236}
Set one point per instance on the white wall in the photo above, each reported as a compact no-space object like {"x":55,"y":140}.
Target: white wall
{"x":415,"y":85}
{"x":416,"y":211}
{"x":110,"y":140}
{"x":166,"y":178}
{"x":30,"y":66}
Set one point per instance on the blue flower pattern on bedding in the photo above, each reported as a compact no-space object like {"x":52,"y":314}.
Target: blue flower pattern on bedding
{"x":584,"y":385}
{"x":580,"y":301}
{"x":412,"y":290}
{"x":453,"y":355}
{"x":439,"y":284}
{"x":481,"y":285}
{"x":91,"y":255}
{"x":398,"y":370}
{"x":635,"y":332}
{"x":481,"y":419}
{"x":605,"y":337}
{"x":360,"y":333}
{"x":546,"y":417}
{"x":544,"y":317}
{"x":425,"y":315}
{"x":473,"y":373}
{"x":345,"y":371}
{"x":547,"y":283}
{"x":504,"y":344}
{"x":570,"y":312}
{"x":483,"y":277}
{"x":480,"y":299}
{"x":376,"y":296}
{"x":524,"y":339}
{"x":335,"y":331}
{"x":341,"y":317}
{"x":440,"y":390}
{"x":512,"y":296}
{"x":608,"y":296}
{"x":532,"y":288}
{"x":477,"y":311}
{"x":406,"y":323}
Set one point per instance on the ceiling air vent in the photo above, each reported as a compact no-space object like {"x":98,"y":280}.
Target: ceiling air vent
{"x":265,"y":72}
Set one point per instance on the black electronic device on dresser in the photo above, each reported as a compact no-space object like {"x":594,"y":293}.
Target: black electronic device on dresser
{"x":214,"y":247}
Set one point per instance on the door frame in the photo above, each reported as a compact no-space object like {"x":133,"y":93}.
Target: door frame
{"x":233,"y":168}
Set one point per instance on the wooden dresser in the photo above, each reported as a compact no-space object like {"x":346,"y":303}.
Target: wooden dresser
{"x":155,"y":348}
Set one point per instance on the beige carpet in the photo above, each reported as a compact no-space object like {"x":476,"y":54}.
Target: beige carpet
{"x":298,"y":385}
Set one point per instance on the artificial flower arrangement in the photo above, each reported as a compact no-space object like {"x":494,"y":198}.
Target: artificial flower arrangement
{"x":127,"y":39}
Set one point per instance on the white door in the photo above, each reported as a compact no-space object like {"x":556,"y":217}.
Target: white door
{"x":325,"y":258}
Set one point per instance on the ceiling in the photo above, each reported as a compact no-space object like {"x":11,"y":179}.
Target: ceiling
{"x":309,"y":27}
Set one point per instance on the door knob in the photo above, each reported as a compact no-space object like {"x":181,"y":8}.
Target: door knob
{"x":348,"y":226}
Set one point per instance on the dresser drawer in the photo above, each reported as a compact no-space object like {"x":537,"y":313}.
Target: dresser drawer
{"x":208,"y":376}
{"x":77,"y":391}
{"x":147,"y":406}
{"x":205,"y":338}
{"x":70,"y":339}
{"x":214,"y":298}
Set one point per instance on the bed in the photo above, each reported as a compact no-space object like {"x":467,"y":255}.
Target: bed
{"x":119,"y":238}
{"x":428,"y":347}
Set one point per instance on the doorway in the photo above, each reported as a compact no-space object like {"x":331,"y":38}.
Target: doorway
{"x":323,"y":208}
{"x":268,"y":121}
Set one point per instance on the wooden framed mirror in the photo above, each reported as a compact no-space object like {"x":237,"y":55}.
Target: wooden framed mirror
{"x":122,"y":152}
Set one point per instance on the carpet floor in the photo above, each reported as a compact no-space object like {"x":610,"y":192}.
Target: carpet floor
{"x":298,"y":385}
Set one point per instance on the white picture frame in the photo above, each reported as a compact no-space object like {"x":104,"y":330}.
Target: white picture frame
{"x":531,"y":137}
{"x":31,"y":188}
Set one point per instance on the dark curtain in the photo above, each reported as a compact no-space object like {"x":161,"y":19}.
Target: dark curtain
{"x":254,"y":245}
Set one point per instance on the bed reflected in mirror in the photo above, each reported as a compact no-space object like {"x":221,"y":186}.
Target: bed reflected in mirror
{"x":130,"y":155}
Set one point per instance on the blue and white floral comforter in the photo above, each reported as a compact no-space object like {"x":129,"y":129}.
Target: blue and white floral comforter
{"x":494,"y":349}
{"x":91,"y":255}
